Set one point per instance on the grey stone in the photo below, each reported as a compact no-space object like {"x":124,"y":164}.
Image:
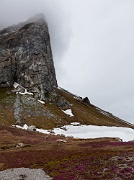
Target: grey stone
{"x":24,"y":173}
{"x":26,"y":106}
{"x":31,"y":128}
{"x":26,"y":57}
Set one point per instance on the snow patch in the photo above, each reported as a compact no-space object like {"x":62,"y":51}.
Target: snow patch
{"x":89,"y":131}
{"x":42,"y":102}
{"x":43,"y":131}
{"x":26,"y":92}
{"x":68,"y":112}
{"x":75,"y":123}
{"x":25,"y":126}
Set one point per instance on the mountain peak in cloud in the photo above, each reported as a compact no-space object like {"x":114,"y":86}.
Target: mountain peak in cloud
{"x":26,"y":57}
{"x":37,"y":17}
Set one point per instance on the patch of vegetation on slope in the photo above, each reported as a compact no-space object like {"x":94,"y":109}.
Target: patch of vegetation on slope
{"x":90,"y":114}
{"x":21,"y":109}
{"x":6,"y":104}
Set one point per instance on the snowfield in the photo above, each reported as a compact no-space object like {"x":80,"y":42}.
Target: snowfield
{"x":90,"y":131}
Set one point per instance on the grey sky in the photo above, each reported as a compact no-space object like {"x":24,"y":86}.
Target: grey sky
{"x":92,"y":43}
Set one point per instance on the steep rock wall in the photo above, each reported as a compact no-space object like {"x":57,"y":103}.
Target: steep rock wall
{"x":26,"y":57}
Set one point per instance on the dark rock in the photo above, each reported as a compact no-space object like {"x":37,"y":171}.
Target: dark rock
{"x":26,"y":57}
{"x":54,"y":98}
{"x":86,"y":101}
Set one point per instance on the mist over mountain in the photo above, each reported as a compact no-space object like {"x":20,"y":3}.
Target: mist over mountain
{"x":28,"y":79}
{"x":26,"y":56}
{"x":48,"y":132}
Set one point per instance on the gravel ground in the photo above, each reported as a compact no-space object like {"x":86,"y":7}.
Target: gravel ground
{"x":23,"y":174}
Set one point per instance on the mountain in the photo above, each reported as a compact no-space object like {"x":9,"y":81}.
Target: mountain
{"x":28,"y":87}
{"x":30,"y":100}
{"x":26,"y":57}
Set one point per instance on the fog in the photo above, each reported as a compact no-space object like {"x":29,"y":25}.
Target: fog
{"x":92,"y":43}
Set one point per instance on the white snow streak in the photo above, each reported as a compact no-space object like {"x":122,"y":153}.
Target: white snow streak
{"x":26,"y":92}
{"x":42,"y":102}
{"x":68,"y":112}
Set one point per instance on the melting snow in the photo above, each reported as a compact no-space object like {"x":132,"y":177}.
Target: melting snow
{"x":25,"y":126}
{"x":90,"y":131}
{"x":43,"y":131}
{"x":26,"y":92}
{"x":75,"y":123}
{"x":42,"y":102}
{"x":21,"y":127}
{"x":68,"y":112}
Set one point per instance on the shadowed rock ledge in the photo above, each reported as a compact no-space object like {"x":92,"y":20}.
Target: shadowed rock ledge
{"x":26,"y":57}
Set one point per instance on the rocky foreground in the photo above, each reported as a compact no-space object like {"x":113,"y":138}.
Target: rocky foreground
{"x":24,"y":174}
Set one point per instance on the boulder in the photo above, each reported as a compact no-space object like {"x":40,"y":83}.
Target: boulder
{"x":86,"y":101}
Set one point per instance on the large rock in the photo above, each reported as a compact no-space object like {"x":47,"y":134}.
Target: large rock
{"x":26,"y":57}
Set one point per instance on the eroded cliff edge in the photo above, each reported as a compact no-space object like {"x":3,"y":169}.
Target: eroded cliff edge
{"x":26,"y":57}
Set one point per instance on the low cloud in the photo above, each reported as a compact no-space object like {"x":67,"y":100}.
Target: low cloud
{"x":15,"y":11}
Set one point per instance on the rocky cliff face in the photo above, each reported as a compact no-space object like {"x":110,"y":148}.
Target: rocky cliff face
{"x":26,"y":57}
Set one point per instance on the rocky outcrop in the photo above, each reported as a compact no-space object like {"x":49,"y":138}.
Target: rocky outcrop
{"x":86,"y":101}
{"x":26,"y":57}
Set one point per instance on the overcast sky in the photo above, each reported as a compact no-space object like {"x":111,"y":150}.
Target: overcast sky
{"x":93,"y":47}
